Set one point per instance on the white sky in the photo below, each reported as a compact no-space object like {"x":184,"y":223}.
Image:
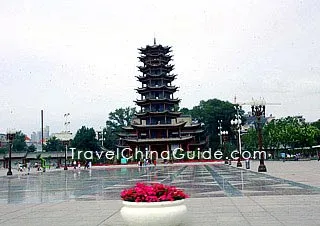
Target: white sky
{"x":80,"y":57}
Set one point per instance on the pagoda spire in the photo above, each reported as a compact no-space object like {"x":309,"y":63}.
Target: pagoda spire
{"x":154,"y":41}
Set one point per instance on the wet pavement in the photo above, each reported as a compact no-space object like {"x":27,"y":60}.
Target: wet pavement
{"x":199,"y":181}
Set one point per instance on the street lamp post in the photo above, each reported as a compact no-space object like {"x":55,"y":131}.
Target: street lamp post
{"x":10,"y":137}
{"x":237,"y":124}
{"x":258,"y":110}
{"x":224,"y":135}
{"x":220,"y":134}
{"x":65,"y":158}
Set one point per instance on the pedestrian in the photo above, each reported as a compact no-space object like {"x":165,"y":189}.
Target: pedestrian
{"x":29,"y":167}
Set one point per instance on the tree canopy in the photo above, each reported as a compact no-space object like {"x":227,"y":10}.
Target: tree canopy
{"x":117,"y":119}
{"x":283,"y":133}
{"x":19,"y":142}
{"x":53,"y":144}
{"x":85,"y":139}
{"x":209,"y":112}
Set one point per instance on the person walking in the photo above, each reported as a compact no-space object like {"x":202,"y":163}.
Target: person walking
{"x":29,"y":167}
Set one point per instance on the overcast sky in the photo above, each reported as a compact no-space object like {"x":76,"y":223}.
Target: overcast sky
{"x":80,"y":57}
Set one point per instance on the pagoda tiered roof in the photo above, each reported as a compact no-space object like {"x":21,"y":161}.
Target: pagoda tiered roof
{"x":148,"y":48}
{"x":177,"y":125}
{"x":147,"y":76}
{"x":159,"y":87}
{"x":159,"y":100}
{"x":157,"y":55}
{"x":146,"y":68}
{"x":127,"y":128}
{"x":126,"y":134}
{"x":193,"y":126}
{"x":192,"y":132}
{"x":150,"y":113}
{"x":159,"y":140}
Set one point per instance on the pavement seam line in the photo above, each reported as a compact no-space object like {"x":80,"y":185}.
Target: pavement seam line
{"x":173,"y":177}
{"x":266,"y":211}
{"x":225,"y":186}
{"x":292,"y":183}
{"x":109,"y":217}
{"x":240,"y":211}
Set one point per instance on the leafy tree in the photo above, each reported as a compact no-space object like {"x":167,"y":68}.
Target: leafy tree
{"x":209,"y":112}
{"x":117,"y":119}
{"x":284,"y":133}
{"x":3,"y":150}
{"x":53,"y":144}
{"x":32,"y":148}
{"x":250,"y":140}
{"x":19,"y":142}
{"x":85,"y":139}
{"x":185,"y":111}
{"x":317,"y":125}
{"x":120,"y":117}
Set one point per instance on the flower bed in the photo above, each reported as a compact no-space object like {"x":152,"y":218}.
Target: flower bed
{"x":152,"y":193}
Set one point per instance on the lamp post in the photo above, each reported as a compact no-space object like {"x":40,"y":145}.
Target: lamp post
{"x":10,"y":137}
{"x":102,"y":135}
{"x":237,"y":124}
{"x":258,"y":108}
{"x":65,"y":158}
{"x":224,"y":135}
{"x":220,"y":134}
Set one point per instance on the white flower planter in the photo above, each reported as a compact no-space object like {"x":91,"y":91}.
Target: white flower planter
{"x":153,"y":213}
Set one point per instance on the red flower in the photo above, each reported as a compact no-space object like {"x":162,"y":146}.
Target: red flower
{"x":152,"y":193}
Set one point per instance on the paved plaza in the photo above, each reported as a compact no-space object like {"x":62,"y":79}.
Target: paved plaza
{"x":288,"y":194}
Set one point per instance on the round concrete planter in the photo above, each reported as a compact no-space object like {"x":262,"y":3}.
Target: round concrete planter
{"x":169,"y":213}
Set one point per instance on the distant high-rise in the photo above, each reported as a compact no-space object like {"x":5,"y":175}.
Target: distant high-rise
{"x":36,"y":136}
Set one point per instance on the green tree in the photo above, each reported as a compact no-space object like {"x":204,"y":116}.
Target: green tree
{"x":317,"y":125}
{"x":119,"y":118}
{"x":250,"y":140}
{"x":85,"y":139}
{"x":209,"y":112}
{"x":285,"y":133}
{"x":19,"y":142}
{"x":32,"y":148}
{"x":185,"y":111}
{"x":3,"y":150}
{"x":53,"y":144}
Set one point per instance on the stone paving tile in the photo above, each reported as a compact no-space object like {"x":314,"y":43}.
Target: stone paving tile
{"x":92,"y":197}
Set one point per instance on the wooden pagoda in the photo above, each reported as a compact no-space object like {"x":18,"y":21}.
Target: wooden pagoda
{"x":159,"y":126}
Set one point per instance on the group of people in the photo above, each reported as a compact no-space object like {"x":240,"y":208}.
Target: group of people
{"x":146,"y":162}
{"x":87,"y":165}
{"x":23,"y":167}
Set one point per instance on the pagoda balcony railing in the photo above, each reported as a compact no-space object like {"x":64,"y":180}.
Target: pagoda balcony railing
{"x":148,"y":100}
{"x":165,"y":74}
{"x":157,"y":97}
{"x":155,"y":54}
{"x":157,"y":62}
{"x":153,"y":86}
{"x":157,"y":110}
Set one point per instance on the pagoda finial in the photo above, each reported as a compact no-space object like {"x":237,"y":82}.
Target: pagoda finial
{"x":154,"y":41}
